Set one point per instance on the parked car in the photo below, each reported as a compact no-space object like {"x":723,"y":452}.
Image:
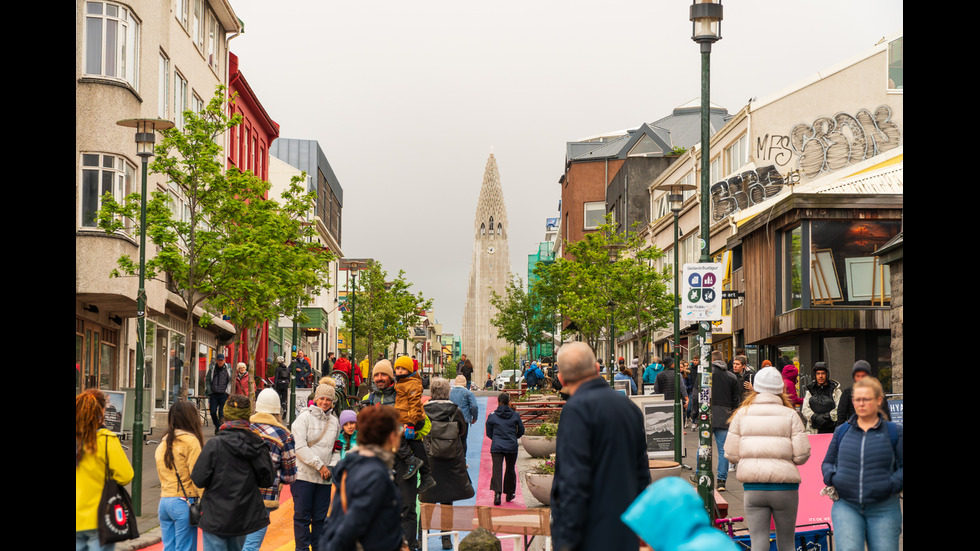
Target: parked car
{"x":504,"y":378}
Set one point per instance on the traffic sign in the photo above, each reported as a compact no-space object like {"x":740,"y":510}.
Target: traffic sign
{"x":702,"y":292}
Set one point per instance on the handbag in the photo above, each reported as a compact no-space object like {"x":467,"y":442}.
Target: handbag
{"x":116,"y":521}
{"x":193,"y":509}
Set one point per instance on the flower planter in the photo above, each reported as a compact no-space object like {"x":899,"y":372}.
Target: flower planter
{"x":540,"y":486}
{"x":661,"y":468}
{"x":539,"y":446}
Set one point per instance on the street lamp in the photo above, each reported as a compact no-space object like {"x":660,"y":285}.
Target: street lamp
{"x":675,"y":198}
{"x":145,"y":136}
{"x":612,"y":249}
{"x":706,"y":16}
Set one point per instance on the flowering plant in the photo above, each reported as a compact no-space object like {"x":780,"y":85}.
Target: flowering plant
{"x":545,"y":467}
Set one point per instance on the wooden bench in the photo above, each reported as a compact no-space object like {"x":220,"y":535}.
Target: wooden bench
{"x":514,"y":523}
{"x":721,"y":506}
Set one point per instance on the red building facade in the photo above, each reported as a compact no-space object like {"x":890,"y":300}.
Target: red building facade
{"x":248,"y":150}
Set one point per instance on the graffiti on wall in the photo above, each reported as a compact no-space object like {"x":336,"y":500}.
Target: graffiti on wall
{"x":746,"y":189}
{"x":831,"y":143}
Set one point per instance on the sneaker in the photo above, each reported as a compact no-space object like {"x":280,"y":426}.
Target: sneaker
{"x":414,"y":464}
{"x":426,"y":483}
{"x":720,"y":485}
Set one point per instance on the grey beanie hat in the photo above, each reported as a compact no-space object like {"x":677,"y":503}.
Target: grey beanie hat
{"x":769,"y":381}
{"x":861,"y":365}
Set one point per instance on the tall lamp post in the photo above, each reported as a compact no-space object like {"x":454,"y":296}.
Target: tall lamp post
{"x":706,"y":16}
{"x":145,"y":136}
{"x":613,"y":250}
{"x":675,"y":198}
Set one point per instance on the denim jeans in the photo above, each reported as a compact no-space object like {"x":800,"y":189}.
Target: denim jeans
{"x":310,"y":504}
{"x":879,"y":524}
{"x":254,"y":540}
{"x":88,"y":540}
{"x":175,"y":527}
{"x":720,"y":436}
{"x":216,"y":404}
{"x":213,"y":542}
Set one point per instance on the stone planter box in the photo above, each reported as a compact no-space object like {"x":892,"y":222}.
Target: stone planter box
{"x":539,"y":446}
{"x":540,"y":486}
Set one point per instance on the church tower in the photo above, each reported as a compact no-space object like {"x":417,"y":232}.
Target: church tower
{"x":489,"y":269}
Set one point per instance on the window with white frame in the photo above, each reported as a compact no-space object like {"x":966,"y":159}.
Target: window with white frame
{"x":714,"y":170}
{"x":103,"y":173}
{"x":163,"y":101}
{"x":213,"y":48}
{"x":111,"y":42}
{"x":181,"y":91}
{"x":197,"y":104}
{"x":595,"y":214}
{"x":182,"y":12}
{"x":737,"y":154}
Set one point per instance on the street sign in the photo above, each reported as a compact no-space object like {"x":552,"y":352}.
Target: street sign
{"x":702,"y":292}
{"x":731,"y":295}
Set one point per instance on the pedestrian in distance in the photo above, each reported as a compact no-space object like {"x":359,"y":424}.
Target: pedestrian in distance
{"x":724,"y":400}
{"x":95,"y":445}
{"x":175,"y":459}
{"x":664,"y":384}
{"x":744,"y":374}
{"x":651,"y":371}
{"x":267,"y":423}
{"x":365,"y":508}
{"x":282,"y":381}
{"x":243,"y":385}
{"x":504,"y":428}
{"x":601,"y":463}
{"x":231,"y":469}
{"x":465,"y":368}
{"x":821,"y":398}
{"x":218,"y":381}
{"x":845,"y":407}
{"x":315,"y":432}
{"x":623,"y":374}
{"x":864,"y":464}
{"x":302,"y":370}
{"x":408,"y":402}
{"x":768,"y":440}
{"x":465,"y":400}
{"x":791,"y":376}
{"x":446,"y":450}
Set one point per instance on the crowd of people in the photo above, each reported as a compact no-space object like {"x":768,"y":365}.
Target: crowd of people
{"x":351,"y":471}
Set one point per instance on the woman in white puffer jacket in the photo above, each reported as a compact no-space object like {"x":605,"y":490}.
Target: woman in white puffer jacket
{"x":767,"y":439}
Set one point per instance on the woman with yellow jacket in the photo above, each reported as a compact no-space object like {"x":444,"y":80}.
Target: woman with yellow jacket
{"x":94,"y":445}
{"x":175,"y":459}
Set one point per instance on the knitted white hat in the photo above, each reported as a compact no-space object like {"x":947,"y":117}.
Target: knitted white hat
{"x":769,"y":380}
{"x":268,"y":402}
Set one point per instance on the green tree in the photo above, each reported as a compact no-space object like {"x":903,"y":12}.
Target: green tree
{"x":518,"y":315}
{"x":382,"y":312}
{"x":188,"y":224}
{"x":272,"y":263}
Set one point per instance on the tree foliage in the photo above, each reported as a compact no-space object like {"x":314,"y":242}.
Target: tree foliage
{"x":586,"y":286}
{"x":381,"y":312}
{"x":519,"y":316}
{"x":220,"y":244}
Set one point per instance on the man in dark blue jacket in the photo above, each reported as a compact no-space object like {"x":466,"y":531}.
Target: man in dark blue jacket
{"x":602,"y":463}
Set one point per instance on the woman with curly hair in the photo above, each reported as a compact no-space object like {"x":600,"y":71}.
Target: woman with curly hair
{"x":175,"y":459}
{"x":94,"y":445}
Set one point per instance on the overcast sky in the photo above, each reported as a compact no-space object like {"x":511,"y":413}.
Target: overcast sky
{"x":406,"y":99}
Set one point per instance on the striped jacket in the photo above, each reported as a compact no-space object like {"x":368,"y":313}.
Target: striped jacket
{"x":282,"y":450}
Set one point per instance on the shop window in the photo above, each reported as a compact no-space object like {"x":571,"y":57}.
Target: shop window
{"x":792,"y":274}
{"x":843,"y":267}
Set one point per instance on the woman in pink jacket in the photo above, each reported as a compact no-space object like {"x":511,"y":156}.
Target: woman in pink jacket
{"x":790,"y":376}
{"x":768,"y":440}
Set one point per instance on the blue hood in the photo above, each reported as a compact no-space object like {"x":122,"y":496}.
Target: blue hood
{"x":670,"y":516}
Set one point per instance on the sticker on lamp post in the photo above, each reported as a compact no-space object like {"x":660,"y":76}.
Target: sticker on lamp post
{"x":701,"y":292}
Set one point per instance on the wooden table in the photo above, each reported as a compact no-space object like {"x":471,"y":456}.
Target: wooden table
{"x":535,"y":413}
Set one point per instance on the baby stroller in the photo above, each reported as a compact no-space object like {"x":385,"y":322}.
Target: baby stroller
{"x":343,"y":401}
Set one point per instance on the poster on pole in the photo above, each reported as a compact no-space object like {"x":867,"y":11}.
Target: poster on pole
{"x":114,"y":408}
{"x":701,"y":300}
